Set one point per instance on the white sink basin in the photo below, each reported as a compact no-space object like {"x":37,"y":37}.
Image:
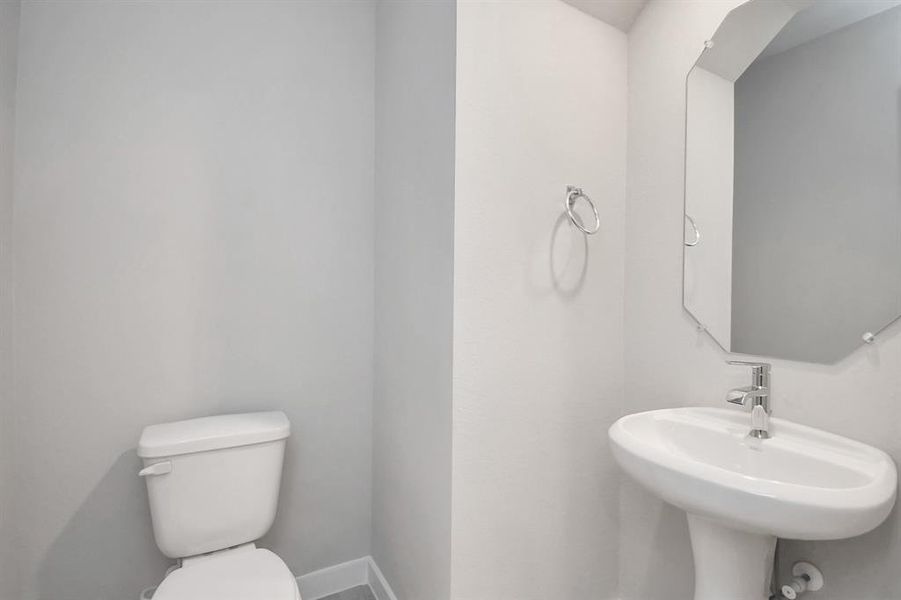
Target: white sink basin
{"x":741,"y":493}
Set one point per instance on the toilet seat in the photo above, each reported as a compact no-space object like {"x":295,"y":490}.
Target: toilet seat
{"x":241,"y":574}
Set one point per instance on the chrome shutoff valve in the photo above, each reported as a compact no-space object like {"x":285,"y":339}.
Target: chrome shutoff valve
{"x":806,"y":577}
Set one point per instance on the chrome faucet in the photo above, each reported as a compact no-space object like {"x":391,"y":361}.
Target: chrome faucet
{"x":756,"y":395}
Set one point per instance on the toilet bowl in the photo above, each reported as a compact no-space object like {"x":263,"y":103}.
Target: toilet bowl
{"x":243,"y":573}
{"x":213,"y":487}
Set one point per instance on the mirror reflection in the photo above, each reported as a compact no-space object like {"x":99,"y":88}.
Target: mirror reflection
{"x":793,"y":190}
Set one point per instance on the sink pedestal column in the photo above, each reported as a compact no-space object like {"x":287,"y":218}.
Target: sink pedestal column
{"x":730,"y":563}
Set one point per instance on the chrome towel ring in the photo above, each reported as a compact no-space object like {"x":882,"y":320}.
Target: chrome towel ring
{"x":572,"y":194}
{"x":696,"y":230}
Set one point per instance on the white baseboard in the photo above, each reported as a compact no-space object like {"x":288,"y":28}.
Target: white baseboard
{"x":377,"y":582}
{"x":337,"y":578}
{"x":334,"y":579}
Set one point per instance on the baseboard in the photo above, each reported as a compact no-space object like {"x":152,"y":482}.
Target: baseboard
{"x":337,"y":578}
{"x":334,"y":579}
{"x":377,"y":582}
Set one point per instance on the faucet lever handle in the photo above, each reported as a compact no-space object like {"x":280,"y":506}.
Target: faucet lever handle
{"x":759,"y":370}
{"x":750,"y":363}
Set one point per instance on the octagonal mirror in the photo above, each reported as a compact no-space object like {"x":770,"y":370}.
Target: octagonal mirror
{"x":792,"y":240}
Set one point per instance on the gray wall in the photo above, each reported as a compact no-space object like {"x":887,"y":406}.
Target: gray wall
{"x":193,"y":228}
{"x":414,"y":226}
{"x":9,"y":28}
{"x":669,"y":363}
{"x":817,"y":223}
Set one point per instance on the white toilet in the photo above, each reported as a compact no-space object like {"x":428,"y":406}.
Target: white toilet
{"x":213,"y":487}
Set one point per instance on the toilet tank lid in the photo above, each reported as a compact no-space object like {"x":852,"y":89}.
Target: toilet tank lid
{"x":212,"y":433}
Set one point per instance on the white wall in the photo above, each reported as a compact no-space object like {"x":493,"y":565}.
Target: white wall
{"x":541,"y":103}
{"x":9,"y":29}
{"x":708,"y":200}
{"x":414,"y":230}
{"x":193,"y":225}
{"x":668,"y":363}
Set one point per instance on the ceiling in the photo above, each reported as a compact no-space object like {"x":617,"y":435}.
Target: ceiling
{"x":619,"y":13}
{"x":822,"y":18}
{"x":743,"y":34}
{"x":762,"y":28}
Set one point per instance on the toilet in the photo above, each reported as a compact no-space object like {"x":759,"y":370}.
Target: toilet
{"x":213,"y":487}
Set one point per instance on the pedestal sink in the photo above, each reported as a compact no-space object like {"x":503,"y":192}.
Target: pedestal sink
{"x":742,"y":493}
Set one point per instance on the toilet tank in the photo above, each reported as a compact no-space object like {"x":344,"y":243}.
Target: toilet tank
{"x":213,"y":482}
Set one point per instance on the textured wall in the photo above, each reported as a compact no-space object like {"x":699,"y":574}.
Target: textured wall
{"x":194,"y":235}
{"x":541,"y":103}
{"x":669,"y":364}
{"x":9,"y":29}
{"x":414,"y":229}
{"x":708,"y":193}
